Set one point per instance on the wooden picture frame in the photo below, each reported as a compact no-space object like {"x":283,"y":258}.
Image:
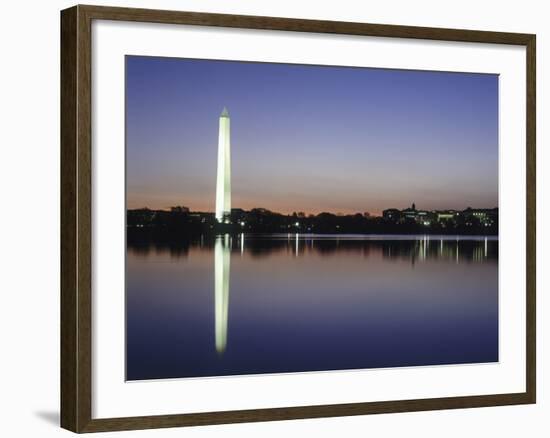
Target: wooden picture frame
{"x":76,"y":218}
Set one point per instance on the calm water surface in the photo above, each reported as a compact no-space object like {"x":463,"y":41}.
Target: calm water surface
{"x":288,"y":303}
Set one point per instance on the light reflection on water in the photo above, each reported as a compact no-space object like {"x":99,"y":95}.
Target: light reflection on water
{"x":222,"y":260}
{"x":287,"y":303}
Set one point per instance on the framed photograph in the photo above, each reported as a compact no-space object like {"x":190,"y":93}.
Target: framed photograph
{"x":270,"y":218}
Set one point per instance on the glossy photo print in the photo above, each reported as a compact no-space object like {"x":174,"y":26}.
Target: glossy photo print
{"x":285,"y":218}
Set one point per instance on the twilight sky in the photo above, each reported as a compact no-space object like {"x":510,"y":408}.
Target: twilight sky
{"x":310,"y":138}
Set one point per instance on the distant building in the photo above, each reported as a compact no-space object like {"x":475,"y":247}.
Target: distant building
{"x":485,"y":216}
{"x":445,"y":215}
{"x":410,"y":214}
{"x":392,"y":215}
{"x":140,"y":217}
{"x":424,"y":217}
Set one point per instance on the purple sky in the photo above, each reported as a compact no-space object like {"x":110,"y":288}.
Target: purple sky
{"x":310,"y":138}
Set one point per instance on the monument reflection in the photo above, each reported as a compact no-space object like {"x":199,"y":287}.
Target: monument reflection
{"x":222,"y":266}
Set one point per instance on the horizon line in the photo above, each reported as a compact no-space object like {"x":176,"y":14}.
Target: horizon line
{"x":168,"y":209}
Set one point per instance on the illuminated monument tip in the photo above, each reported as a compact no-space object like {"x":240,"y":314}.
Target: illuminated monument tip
{"x":223,"y":180}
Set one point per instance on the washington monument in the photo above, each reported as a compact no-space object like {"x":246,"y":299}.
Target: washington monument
{"x":223,"y":180}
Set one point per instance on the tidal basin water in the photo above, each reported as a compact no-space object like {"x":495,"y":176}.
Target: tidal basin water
{"x":244,"y":304}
